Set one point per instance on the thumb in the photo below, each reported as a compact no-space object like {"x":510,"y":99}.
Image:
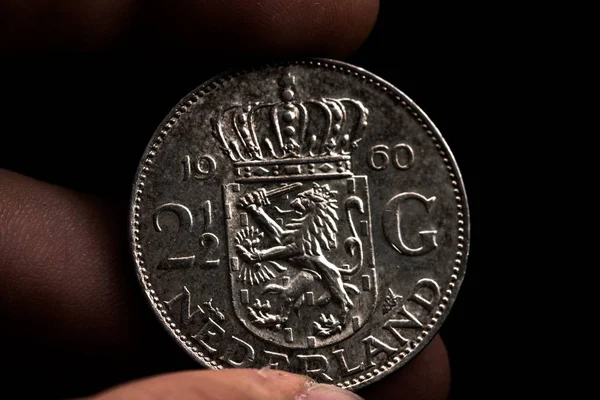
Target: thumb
{"x":231,"y":384}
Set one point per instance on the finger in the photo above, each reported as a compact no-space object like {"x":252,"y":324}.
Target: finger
{"x":69,"y":291}
{"x":328,"y":27}
{"x":35,"y":23}
{"x":240,"y":384}
{"x":60,"y":256}
{"x":426,"y":377}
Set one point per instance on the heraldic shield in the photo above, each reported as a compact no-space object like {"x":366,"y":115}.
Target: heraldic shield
{"x":300,"y":248}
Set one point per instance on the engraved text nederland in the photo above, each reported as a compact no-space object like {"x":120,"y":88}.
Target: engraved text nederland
{"x":288,"y":226}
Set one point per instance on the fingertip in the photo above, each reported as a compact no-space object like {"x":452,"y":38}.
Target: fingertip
{"x":333,"y":28}
{"x":231,"y":384}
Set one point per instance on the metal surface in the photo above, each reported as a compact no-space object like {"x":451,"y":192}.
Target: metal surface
{"x":306,"y":216}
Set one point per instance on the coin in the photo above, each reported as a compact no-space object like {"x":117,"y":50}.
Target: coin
{"x":305,"y":216}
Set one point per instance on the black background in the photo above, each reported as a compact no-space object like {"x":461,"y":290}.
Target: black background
{"x":82,"y":120}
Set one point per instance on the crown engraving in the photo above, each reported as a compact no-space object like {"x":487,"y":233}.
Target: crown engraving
{"x":308,"y":139}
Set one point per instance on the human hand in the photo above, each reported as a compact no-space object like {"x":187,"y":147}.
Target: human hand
{"x":69,"y":295}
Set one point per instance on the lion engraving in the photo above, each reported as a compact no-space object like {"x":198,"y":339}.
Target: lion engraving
{"x":301,"y":243}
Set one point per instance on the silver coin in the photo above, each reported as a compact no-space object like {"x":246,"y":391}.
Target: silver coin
{"x":305,"y":216}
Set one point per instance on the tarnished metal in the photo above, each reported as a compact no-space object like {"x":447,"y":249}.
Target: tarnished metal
{"x":306,"y":216}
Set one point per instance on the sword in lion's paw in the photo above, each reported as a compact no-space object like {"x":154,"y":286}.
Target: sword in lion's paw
{"x":283,"y":189}
{"x":265,"y":195}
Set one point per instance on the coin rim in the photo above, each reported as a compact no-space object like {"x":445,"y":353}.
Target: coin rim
{"x":215,"y":83}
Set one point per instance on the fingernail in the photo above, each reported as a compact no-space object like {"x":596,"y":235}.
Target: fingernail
{"x":328,"y":392}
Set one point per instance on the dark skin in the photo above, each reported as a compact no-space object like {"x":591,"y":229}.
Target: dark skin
{"x":63,"y":254}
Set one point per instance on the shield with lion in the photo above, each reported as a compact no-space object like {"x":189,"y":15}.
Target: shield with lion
{"x":301,"y":252}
